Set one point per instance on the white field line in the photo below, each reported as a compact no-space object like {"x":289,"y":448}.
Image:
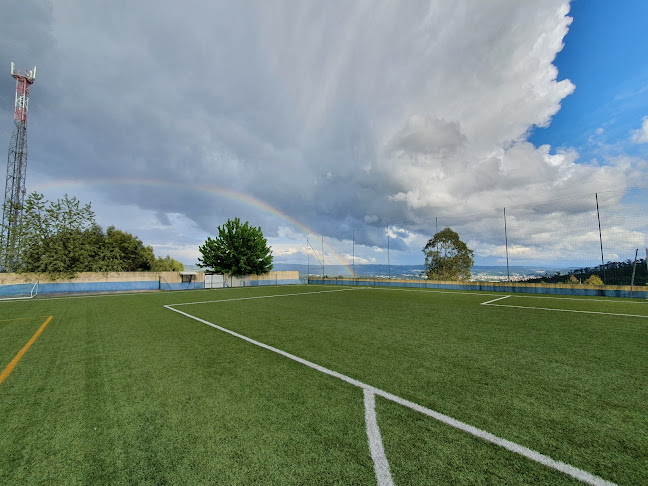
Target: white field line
{"x":381,"y":466}
{"x":482,"y":434}
{"x":495,"y":300}
{"x":265,"y":296}
{"x":144,"y":292}
{"x":105,"y":294}
{"x":431,"y":291}
{"x":564,"y":310}
{"x":15,"y":298}
{"x":522,"y":296}
{"x":581,"y":299}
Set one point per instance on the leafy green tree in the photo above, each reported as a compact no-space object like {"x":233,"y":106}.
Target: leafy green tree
{"x":57,"y":237}
{"x":62,"y":238}
{"x":238,"y":250}
{"x":133,"y":255}
{"x":167,"y":264}
{"x":447,"y":257}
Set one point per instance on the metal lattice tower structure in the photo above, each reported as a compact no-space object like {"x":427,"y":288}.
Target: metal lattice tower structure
{"x":16,"y":173}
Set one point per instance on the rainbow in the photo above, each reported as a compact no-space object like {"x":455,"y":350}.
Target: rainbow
{"x":215,"y":191}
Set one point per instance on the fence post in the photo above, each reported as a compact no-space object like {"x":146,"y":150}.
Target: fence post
{"x":353,"y":238}
{"x":598,"y":217}
{"x":634,"y":267}
{"x":508,"y":275}
{"x":388,"y":262}
{"x":322,"y":256}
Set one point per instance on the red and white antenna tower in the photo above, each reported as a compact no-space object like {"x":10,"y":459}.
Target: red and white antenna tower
{"x":16,"y":173}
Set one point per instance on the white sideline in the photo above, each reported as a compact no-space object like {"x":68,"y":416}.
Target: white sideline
{"x":543,"y":459}
{"x":127,"y":293}
{"x":495,"y":300}
{"x":265,"y":296}
{"x":562,"y":310}
{"x":381,"y":466}
{"x":522,"y":296}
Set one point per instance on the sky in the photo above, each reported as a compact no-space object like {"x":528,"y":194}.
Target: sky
{"x":368,"y":123}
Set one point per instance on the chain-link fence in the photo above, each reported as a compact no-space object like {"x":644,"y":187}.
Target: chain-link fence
{"x":597,"y":236}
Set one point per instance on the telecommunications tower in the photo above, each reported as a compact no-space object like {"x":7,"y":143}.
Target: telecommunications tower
{"x":16,"y":173}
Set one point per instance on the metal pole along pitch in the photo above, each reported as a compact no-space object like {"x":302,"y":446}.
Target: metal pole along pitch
{"x":508,"y":275}
{"x":388,"y":262}
{"x":598,"y":217}
{"x":634,"y":267}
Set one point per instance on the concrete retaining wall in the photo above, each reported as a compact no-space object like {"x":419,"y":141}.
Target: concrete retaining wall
{"x":15,"y":284}
{"x":273,"y":278}
{"x":12,"y":284}
{"x":507,"y":287}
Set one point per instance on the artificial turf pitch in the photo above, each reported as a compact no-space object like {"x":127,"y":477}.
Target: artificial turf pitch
{"x":119,"y":389}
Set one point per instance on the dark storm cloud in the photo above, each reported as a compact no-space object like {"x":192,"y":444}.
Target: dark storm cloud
{"x":334,"y":113}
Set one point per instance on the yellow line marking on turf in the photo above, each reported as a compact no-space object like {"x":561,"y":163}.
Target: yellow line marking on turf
{"x":14,"y":361}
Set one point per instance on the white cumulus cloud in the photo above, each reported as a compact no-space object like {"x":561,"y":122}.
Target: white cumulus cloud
{"x":332,"y":115}
{"x":641,"y":135}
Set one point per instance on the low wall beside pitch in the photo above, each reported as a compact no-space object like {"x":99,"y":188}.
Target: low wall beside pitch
{"x":15,"y":284}
{"x":19,"y":284}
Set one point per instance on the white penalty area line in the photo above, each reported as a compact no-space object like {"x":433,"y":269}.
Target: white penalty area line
{"x":262,"y":297}
{"x":490,"y":303}
{"x":583,"y":298}
{"x":495,"y":300}
{"x":14,"y":298}
{"x":128,"y":293}
{"x":381,"y":465}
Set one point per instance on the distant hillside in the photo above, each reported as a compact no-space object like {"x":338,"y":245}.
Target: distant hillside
{"x":613,"y":273}
{"x":483,"y":273}
{"x":616,"y":273}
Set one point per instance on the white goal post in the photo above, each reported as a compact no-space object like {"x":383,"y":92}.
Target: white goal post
{"x":29,"y":292}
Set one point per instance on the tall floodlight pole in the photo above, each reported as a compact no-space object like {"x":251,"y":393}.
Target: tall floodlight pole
{"x":16,"y":173}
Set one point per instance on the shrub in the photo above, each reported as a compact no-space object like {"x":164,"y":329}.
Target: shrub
{"x":572,"y":280}
{"x":594,"y":280}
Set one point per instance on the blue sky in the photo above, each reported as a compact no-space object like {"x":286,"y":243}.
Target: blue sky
{"x":605,"y":58}
{"x":337,"y":117}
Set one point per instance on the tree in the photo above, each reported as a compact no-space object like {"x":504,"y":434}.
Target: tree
{"x":56,"y":237}
{"x":167,"y":264}
{"x":238,"y":250}
{"x":62,"y":238}
{"x":133,"y":255}
{"x":447,"y":257}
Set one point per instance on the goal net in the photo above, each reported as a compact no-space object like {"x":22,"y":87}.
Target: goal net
{"x":19,"y":291}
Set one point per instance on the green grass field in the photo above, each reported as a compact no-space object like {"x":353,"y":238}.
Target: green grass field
{"x":119,"y":389}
